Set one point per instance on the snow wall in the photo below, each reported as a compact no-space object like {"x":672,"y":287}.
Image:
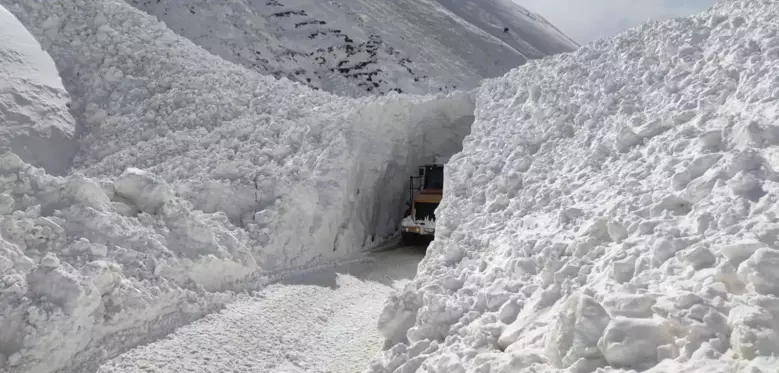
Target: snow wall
{"x":614,"y":209}
{"x":36,"y":123}
{"x":194,"y":177}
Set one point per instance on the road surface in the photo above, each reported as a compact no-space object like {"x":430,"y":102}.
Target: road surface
{"x":322,"y":322}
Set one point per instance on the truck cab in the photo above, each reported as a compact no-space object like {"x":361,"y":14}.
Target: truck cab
{"x":425,"y":194}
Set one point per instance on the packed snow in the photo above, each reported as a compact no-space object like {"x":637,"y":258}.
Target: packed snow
{"x":365,"y":47}
{"x":313,"y":323}
{"x":613,"y":209}
{"x":157,"y":178}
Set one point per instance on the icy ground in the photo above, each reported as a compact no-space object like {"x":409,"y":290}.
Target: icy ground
{"x":614,"y":209}
{"x":320,"y":322}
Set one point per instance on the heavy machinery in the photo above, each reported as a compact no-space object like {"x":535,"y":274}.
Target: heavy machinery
{"x":425,"y":193}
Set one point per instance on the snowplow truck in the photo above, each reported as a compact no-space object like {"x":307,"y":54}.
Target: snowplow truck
{"x":425,"y":193}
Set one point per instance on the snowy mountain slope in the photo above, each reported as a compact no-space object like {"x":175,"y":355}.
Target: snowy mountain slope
{"x":355,"y":48}
{"x":35,"y":120}
{"x":612,"y":208}
{"x":529,"y":33}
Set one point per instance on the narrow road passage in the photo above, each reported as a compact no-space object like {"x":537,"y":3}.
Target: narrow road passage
{"x":322,"y":322}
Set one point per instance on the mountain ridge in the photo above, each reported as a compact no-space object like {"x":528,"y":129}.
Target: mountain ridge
{"x":366,"y":47}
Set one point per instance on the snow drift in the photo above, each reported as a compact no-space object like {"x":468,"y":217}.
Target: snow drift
{"x":193,"y":176}
{"x":613,"y":208}
{"x":35,"y":121}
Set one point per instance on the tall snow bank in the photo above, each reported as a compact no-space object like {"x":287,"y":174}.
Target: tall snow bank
{"x":270,"y":155}
{"x":613,"y":208}
{"x":83,"y":259}
{"x":195,"y":176}
{"x":34,"y":119}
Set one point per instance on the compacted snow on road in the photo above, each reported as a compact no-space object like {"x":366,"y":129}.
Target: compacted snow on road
{"x":323,"y":321}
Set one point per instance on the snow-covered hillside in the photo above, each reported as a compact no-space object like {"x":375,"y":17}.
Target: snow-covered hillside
{"x":192,"y":176}
{"x":364,"y":47}
{"x":613,"y":208}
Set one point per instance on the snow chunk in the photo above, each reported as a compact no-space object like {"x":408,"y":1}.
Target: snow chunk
{"x":574,"y":336}
{"x":396,"y":320}
{"x":146,"y":191}
{"x":635,"y":343}
{"x":629,"y":305}
{"x":63,"y":289}
{"x":753,"y":332}
{"x":50,"y":261}
{"x":761,"y":271}
{"x":737,"y":252}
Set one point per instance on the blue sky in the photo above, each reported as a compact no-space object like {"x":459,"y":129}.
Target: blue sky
{"x":587,"y":20}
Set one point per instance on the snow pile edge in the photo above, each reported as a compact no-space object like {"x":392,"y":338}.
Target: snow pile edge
{"x":614,"y":208}
{"x":36,"y":123}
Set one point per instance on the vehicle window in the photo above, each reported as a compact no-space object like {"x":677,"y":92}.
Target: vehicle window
{"x":434,"y":178}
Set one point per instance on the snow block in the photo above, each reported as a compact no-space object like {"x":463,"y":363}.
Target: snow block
{"x":143,"y":189}
{"x":760,"y":271}
{"x":635,"y":343}
{"x":753,"y":332}
{"x":580,"y":323}
{"x":630,"y":305}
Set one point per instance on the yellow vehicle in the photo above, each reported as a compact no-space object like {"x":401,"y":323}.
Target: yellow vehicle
{"x":426,"y":190}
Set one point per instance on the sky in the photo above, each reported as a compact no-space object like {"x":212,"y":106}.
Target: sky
{"x":588,"y":20}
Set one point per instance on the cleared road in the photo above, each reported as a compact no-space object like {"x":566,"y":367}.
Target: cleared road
{"x":322,"y":322}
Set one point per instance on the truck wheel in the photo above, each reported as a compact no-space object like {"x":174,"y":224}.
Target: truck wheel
{"x":407,"y":238}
